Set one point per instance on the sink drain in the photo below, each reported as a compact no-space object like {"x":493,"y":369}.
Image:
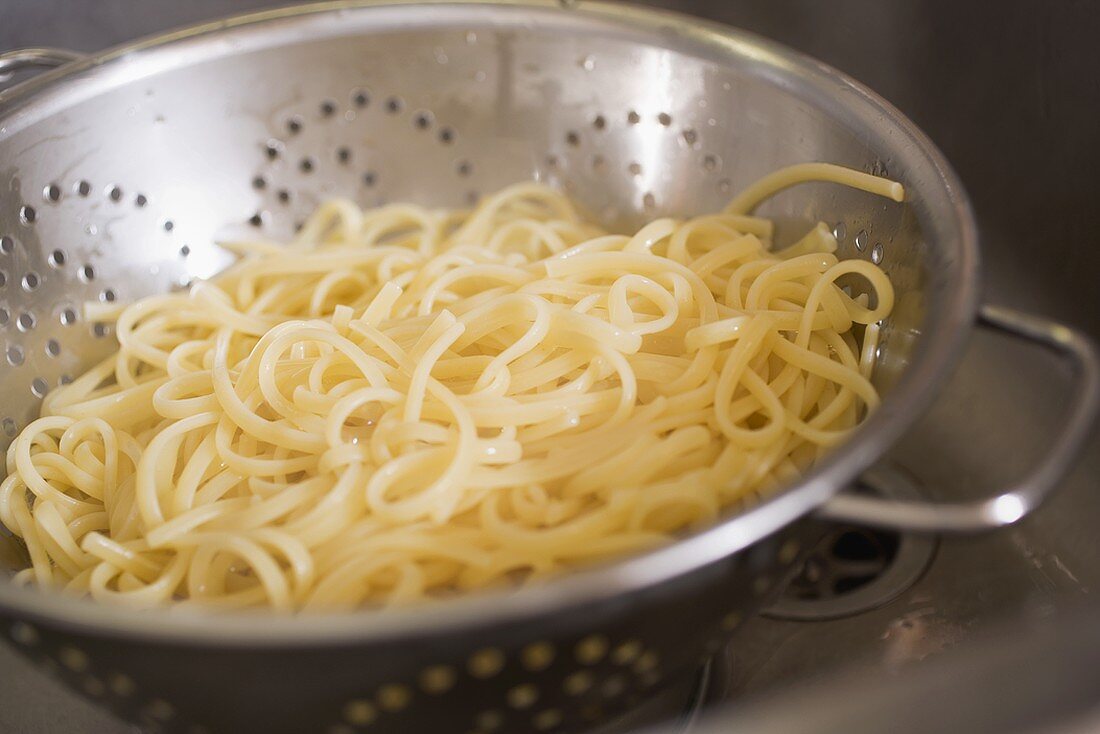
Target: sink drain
{"x":855,"y":568}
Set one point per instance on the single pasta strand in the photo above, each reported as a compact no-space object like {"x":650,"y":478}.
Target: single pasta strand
{"x":407,"y":403}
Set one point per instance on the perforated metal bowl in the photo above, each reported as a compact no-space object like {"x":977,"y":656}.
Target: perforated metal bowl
{"x":117,"y":173}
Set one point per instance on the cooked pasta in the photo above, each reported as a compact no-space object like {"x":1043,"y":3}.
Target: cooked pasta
{"x":406,"y":403}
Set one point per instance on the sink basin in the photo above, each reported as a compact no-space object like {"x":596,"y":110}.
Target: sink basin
{"x":961,"y":609}
{"x":986,"y":428}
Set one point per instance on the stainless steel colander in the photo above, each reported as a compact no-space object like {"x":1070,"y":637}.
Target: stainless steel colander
{"x":118,"y":172}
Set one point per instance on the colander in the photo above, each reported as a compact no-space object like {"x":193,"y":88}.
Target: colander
{"x":119,"y":171}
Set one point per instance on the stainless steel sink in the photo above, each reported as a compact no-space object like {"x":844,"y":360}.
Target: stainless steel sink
{"x":1029,"y":574}
{"x":1012,"y":100}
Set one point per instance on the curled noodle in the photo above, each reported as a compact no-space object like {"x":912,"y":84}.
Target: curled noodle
{"x":407,"y":403}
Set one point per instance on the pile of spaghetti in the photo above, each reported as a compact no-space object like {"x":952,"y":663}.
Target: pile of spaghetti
{"x":406,"y":403}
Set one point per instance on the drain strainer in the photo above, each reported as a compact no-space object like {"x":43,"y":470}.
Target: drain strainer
{"x":855,"y":568}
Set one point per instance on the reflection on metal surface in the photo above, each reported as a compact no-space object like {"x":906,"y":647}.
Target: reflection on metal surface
{"x":916,"y":635}
{"x":34,"y":58}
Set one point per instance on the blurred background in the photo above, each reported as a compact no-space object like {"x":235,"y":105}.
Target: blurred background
{"x":1011,"y":93}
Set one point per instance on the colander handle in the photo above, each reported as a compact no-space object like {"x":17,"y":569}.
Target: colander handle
{"x":34,"y":58}
{"x":1026,"y":494}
